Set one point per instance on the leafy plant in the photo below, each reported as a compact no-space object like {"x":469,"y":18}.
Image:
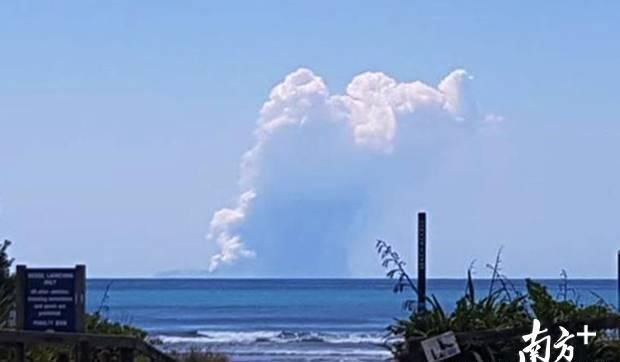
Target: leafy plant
{"x":7,"y":284}
{"x":503,"y":308}
{"x":96,"y":323}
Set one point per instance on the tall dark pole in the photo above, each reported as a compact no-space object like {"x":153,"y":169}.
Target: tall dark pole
{"x":421,"y":261}
{"x":20,"y":296}
{"x":619,"y":280}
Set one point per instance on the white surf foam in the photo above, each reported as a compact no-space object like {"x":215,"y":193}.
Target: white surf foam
{"x":276,"y":337}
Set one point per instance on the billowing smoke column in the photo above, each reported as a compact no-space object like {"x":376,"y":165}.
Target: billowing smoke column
{"x":308,"y":185}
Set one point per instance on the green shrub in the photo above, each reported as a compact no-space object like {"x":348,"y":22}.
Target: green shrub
{"x":7,"y":284}
{"x":502,"y":308}
{"x":96,"y":323}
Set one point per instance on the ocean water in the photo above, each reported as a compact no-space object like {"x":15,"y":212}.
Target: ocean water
{"x":318,"y":320}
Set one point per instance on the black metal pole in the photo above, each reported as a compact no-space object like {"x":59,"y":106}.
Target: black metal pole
{"x":618,"y":280}
{"x":421,"y":261}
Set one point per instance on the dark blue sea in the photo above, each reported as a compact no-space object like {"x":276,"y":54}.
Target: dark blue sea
{"x":283,"y":320}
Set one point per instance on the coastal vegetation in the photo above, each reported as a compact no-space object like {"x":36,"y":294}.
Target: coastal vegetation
{"x":503,"y":307}
{"x":195,"y":355}
{"x":96,"y":323}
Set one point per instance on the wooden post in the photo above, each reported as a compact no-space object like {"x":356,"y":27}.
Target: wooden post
{"x":126,"y":355}
{"x":421,"y":262}
{"x":20,"y":352}
{"x":84,"y":352}
{"x":20,"y":294}
{"x":62,"y":357}
{"x":618,"y":302}
{"x":80,"y":298}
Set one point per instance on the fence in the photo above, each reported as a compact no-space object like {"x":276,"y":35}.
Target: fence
{"x":118,"y":348}
{"x":486,"y":337}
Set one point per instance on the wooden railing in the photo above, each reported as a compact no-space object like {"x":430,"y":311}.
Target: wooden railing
{"x":126,"y":347}
{"x":493,"y":336}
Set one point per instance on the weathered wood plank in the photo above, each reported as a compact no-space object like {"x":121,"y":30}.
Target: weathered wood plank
{"x":30,"y":337}
{"x":84,"y":351}
{"x":83,"y":340}
{"x":126,"y":355}
{"x":490,"y":336}
{"x":20,"y":352}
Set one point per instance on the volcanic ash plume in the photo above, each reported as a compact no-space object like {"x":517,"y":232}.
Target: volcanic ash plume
{"x":307,"y":183}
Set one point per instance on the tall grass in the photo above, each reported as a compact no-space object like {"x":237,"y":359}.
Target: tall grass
{"x":502,"y":307}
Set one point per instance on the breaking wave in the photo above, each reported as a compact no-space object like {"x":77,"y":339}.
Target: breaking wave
{"x":253,"y":337}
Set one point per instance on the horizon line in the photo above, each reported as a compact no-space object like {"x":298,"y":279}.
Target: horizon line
{"x":328,"y":278}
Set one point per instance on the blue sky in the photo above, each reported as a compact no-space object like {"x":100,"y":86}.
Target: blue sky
{"x":122,"y":125}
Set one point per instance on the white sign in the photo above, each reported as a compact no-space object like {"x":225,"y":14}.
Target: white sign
{"x":440,"y":347}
